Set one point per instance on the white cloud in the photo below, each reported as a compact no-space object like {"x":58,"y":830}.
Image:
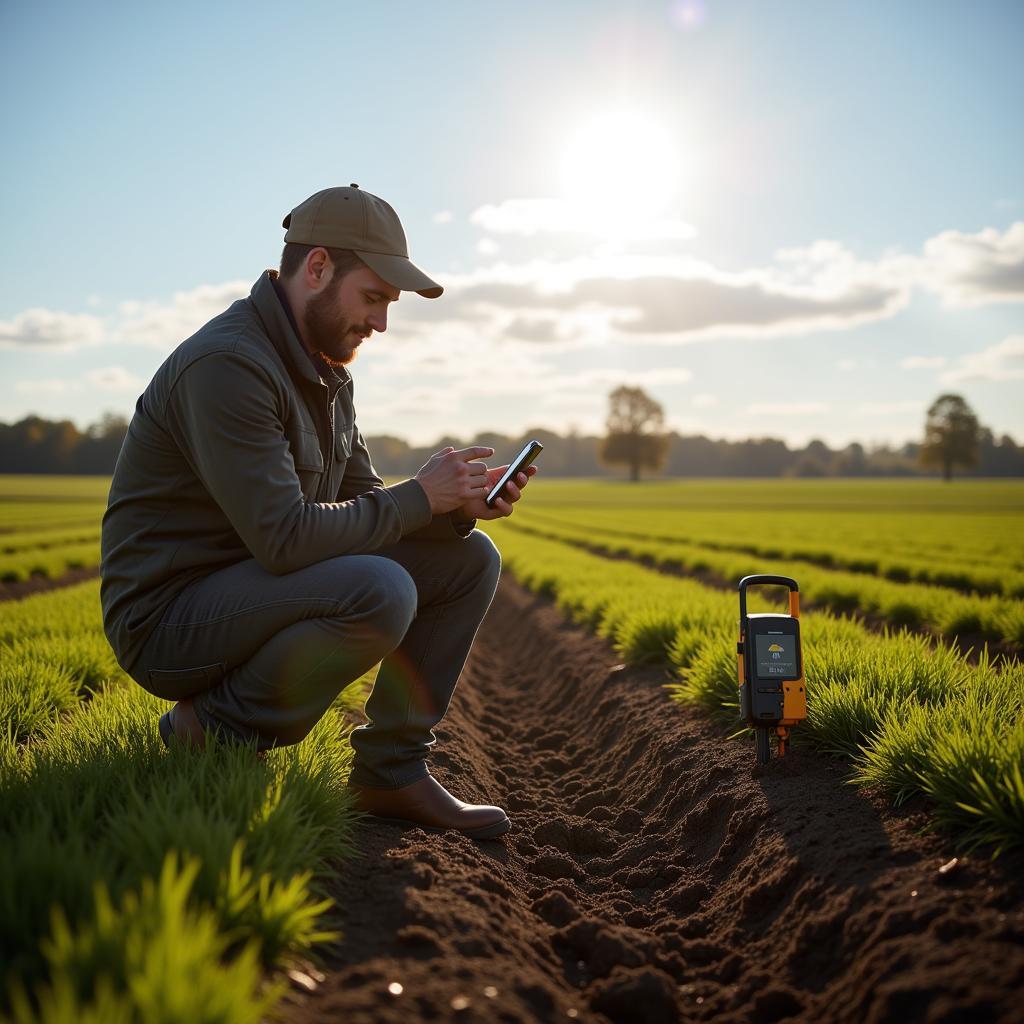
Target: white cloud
{"x":669,"y":299}
{"x":922,"y":362}
{"x":606,"y":379}
{"x":49,"y":330}
{"x":442,"y":217}
{"x":891,"y":408}
{"x":787,"y":409}
{"x":536,"y":329}
{"x":973,"y":270}
{"x":558,"y":216}
{"x":114,"y":378}
{"x":165,"y":325}
{"x":1002,"y":361}
{"x":107,"y":378}
{"x":487,"y":247}
{"x":48,"y":386}
{"x":613,"y":296}
{"x":705,"y":400}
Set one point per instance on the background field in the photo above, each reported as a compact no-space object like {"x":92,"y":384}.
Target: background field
{"x":913,"y":627}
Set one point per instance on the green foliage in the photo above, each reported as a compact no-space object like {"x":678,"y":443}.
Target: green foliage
{"x":49,"y":562}
{"x":968,"y":538}
{"x":964,"y":749}
{"x":31,"y":695}
{"x":23,"y":540}
{"x":72,"y":612}
{"x":951,"y":435}
{"x":94,"y":924}
{"x":154,"y":956}
{"x":946,"y":612}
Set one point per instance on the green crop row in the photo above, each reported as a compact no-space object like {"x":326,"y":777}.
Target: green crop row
{"x":54,"y":488}
{"x":816,"y":544}
{"x":945,"y":612}
{"x":910,"y":717}
{"x":23,"y":540}
{"x":13,"y":525}
{"x":970,"y":525}
{"x":142,"y":883}
{"x":51,"y":563}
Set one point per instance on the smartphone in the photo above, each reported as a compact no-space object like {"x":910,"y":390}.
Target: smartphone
{"x":518,"y":465}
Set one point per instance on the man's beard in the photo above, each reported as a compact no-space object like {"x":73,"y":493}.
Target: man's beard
{"x":328,"y":333}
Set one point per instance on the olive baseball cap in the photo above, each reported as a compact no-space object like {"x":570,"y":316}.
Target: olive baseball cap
{"x":350,"y":218}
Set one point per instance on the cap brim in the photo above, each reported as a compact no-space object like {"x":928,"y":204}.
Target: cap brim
{"x":401,"y":273}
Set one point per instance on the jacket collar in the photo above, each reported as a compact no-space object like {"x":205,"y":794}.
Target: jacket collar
{"x":279,"y":324}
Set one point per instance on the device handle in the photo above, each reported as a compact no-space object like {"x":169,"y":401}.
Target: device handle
{"x":762,"y":579}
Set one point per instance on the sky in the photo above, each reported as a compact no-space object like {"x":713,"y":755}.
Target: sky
{"x":799,"y":220}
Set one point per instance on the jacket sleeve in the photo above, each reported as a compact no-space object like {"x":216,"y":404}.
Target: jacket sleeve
{"x":361,"y":477}
{"x":224,"y":413}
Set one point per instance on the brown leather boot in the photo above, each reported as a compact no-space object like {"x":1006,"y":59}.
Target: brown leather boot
{"x":183,"y":724}
{"x":428,"y":804}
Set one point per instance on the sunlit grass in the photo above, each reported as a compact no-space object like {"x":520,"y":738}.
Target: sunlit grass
{"x":116,"y":851}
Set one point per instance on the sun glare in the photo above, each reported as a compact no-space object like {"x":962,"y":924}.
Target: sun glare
{"x":618,"y":166}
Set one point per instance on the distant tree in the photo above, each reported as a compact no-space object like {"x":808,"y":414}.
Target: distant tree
{"x":109,"y":425}
{"x":951,"y":435}
{"x":852,"y":460}
{"x":100,"y":445}
{"x":1002,"y":458}
{"x":810,"y":465}
{"x":635,"y":431}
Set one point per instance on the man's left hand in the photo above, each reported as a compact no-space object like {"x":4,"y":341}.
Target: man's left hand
{"x":477,"y":508}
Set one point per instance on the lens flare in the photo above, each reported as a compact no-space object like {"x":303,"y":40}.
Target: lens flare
{"x":689,"y":14}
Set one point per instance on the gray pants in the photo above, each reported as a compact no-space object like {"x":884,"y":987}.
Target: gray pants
{"x":263,"y":656}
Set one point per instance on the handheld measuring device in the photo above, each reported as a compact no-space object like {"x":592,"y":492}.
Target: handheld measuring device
{"x":771,"y":669}
{"x":519,"y":463}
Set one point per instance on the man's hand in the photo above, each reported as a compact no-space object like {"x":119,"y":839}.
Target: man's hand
{"x":452,"y":479}
{"x":475,"y":508}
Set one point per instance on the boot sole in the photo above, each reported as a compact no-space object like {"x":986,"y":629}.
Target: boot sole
{"x":499,"y":828}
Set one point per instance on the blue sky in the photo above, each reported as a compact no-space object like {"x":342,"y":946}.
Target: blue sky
{"x":832,"y":245}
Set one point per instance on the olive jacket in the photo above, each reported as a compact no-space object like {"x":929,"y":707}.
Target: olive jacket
{"x":239,"y":449}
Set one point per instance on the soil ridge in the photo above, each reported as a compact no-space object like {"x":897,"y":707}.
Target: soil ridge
{"x":654,"y":872}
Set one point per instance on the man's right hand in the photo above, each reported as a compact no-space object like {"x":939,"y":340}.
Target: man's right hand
{"x":451,"y":478}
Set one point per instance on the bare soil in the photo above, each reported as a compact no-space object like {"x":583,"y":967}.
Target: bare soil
{"x":37,"y":584}
{"x":654,"y":871}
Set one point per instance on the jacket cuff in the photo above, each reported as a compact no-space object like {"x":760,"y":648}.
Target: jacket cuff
{"x":413,"y":504}
{"x":462,"y":527}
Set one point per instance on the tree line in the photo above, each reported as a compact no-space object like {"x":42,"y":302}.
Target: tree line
{"x":37,"y":445}
{"x":953,"y":439}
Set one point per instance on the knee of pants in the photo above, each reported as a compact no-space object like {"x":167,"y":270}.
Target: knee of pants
{"x":396,"y":600}
{"x":481,"y":553}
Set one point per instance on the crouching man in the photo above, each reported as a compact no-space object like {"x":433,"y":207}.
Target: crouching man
{"x":254,"y":563}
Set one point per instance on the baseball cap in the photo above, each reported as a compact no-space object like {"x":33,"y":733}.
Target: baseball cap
{"x":351,"y":218}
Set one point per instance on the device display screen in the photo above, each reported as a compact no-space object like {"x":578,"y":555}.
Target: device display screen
{"x":776,"y":655}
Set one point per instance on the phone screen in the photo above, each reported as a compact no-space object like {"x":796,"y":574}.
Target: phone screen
{"x":519,"y":463}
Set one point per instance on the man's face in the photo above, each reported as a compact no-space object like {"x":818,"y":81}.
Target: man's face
{"x":341,"y":316}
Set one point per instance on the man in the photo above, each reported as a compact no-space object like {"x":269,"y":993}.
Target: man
{"x":254,"y":563}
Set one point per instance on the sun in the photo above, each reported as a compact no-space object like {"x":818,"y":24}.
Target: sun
{"x":620,"y":165}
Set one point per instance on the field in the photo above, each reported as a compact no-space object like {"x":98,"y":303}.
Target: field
{"x":871,"y":874}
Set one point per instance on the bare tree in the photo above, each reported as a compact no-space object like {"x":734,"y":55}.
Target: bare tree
{"x":635,"y":431}
{"x":951,"y":435}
